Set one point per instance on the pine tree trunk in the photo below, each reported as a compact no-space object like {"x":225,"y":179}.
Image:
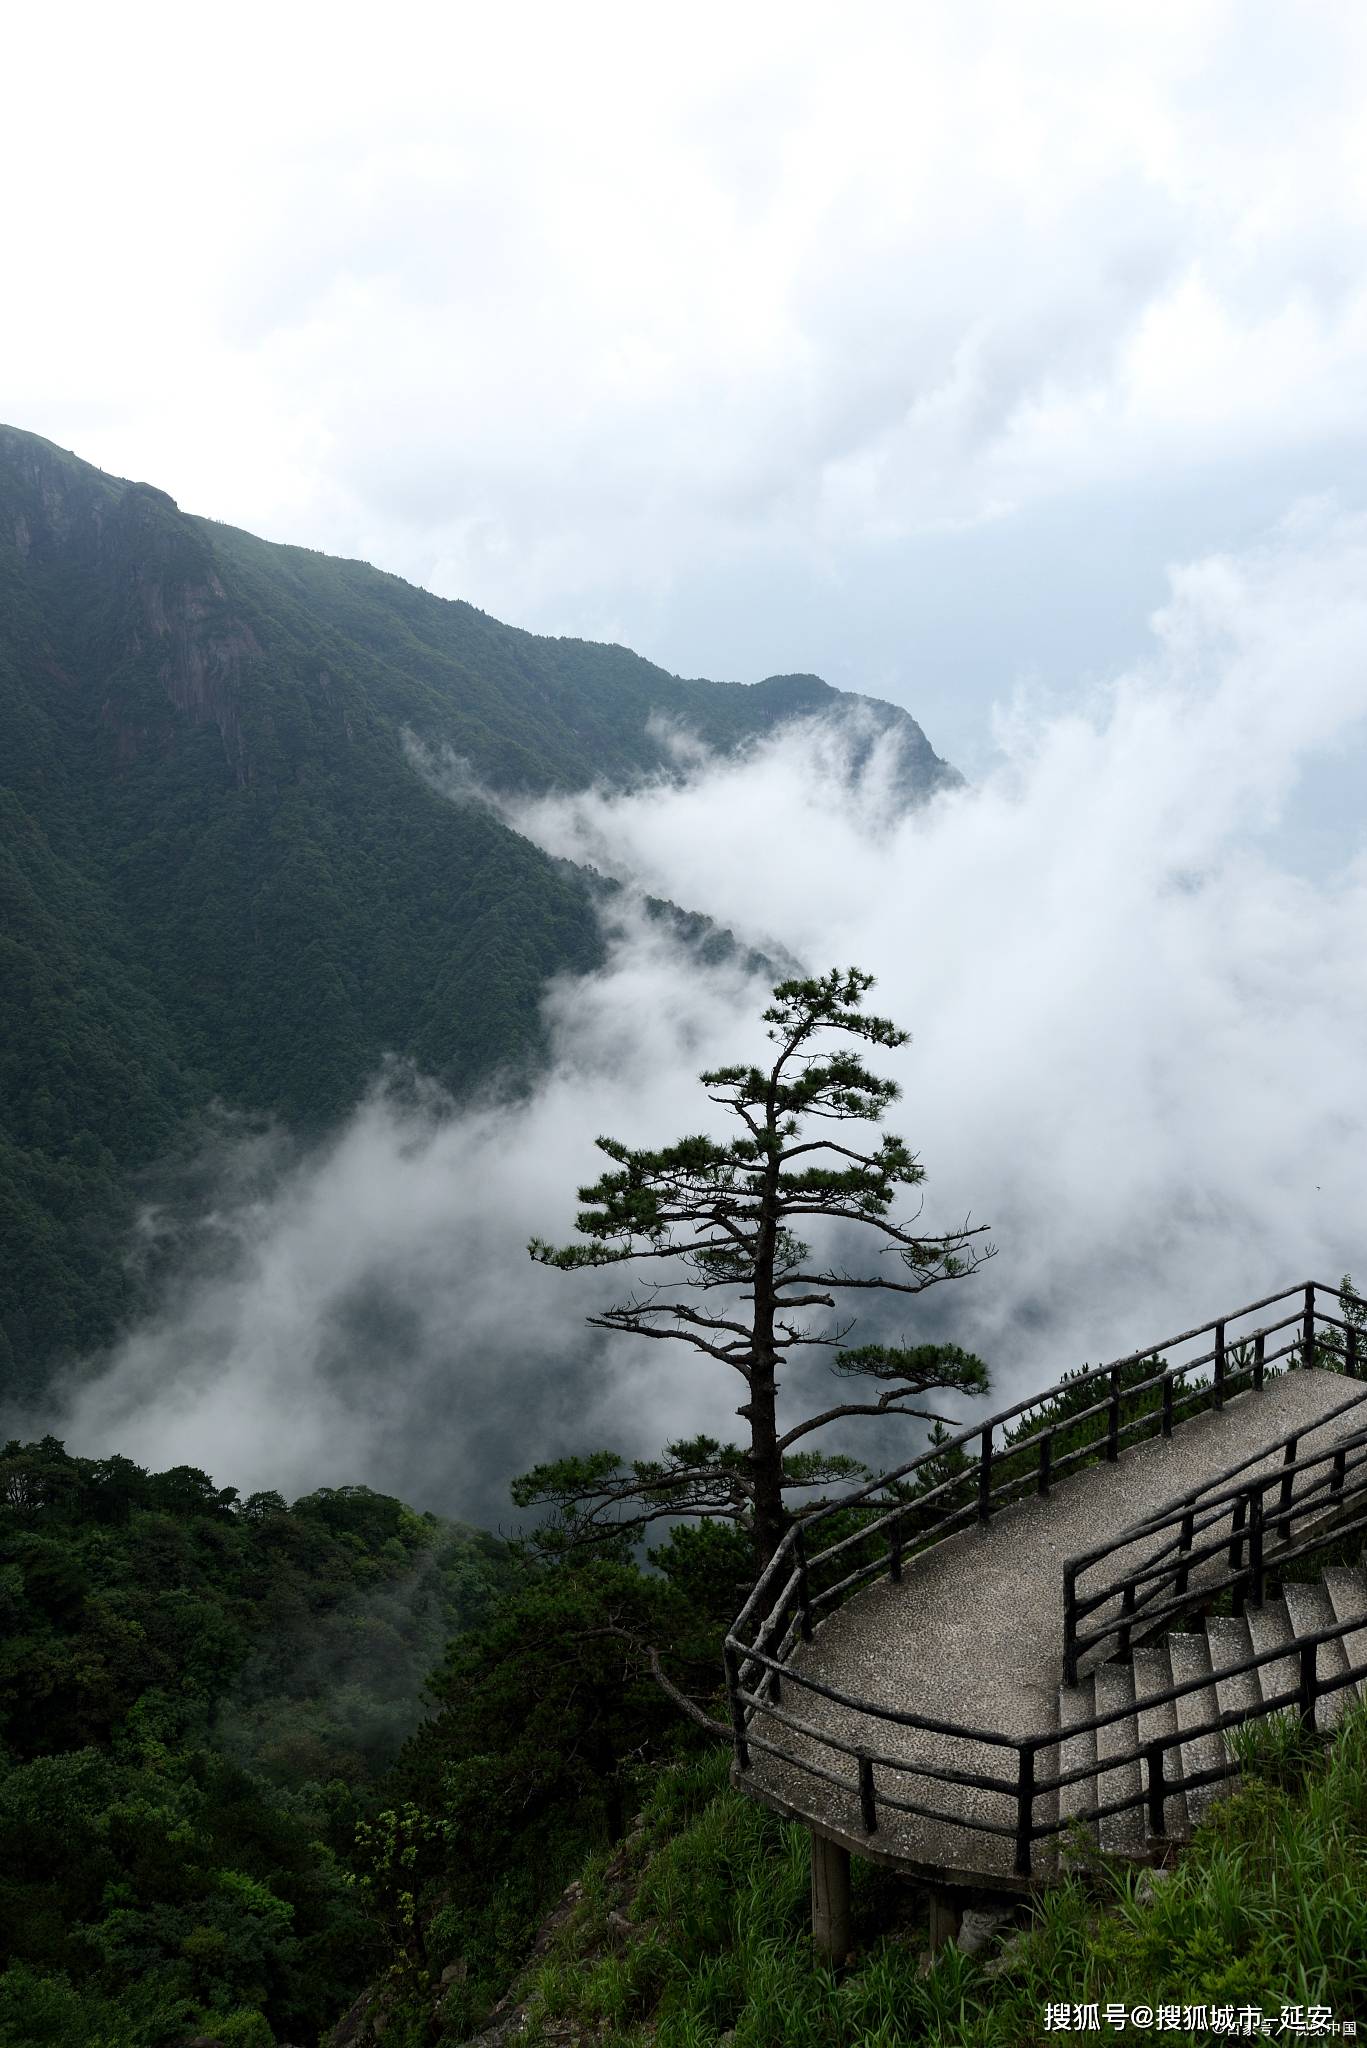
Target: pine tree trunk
{"x":766,"y":1468}
{"x":766,"y":1461}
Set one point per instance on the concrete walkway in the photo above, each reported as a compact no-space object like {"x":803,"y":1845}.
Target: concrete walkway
{"x":974,"y":1634}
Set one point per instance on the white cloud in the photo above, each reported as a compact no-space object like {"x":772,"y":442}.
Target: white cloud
{"x":545,"y":308}
{"x":368,"y":1310}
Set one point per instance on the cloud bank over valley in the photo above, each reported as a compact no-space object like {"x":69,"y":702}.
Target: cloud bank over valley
{"x":1137,"y":1054}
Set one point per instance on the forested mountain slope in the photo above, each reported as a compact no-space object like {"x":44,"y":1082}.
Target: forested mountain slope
{"x":200,"y":1696}
{"x":221,"y":876}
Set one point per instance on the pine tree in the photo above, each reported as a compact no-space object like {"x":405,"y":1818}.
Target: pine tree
{"x":722,"y":1216}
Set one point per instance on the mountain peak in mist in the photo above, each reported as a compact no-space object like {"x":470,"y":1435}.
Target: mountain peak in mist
{"x":187,"y":596}
{"x":223,"y":879}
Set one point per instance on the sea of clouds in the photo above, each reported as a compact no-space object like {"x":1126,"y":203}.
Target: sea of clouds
{"x":1138,"y":1053}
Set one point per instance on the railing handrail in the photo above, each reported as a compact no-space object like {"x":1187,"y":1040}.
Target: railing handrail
{"x":1140,"y":1622}
{"x":983,"y":1429}
{"x":1180,"y":1503}
{"x":899,"y":1717}
{"x":778,"y":1632}
{"x":1158,"y":1566}
{"x":1206,"y":1680}
{"x":1065,"y":1385}
{"x":1261,"y":1482}
{"x":1144,"y":1609}
{"x":1028,"y":1787}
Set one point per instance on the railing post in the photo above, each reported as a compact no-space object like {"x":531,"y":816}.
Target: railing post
{"x":1113,"y":1417}
{"x":1238,"y":1517}
{"x":895,"y":1550}
{"x":1045,"y":1454}
{"x":1236,"y":1551}
{"x":1350,"y":1358}
{"x":1309,"y":1684}
{"x":1127,"y":1609}
{"x":868,"y":1811}
{"x":1167,"y":1404}
{"x":732,"y":1664}
{"x":1288,"y":1480}
{"x":1255,"y":1547}
{"x":1308,"y":1326}
{"x":1025,"y":1808}
{"x":804,"y":1604}
{"x":1259,"y":1358}
{"x":1220,"y":1363}
{"x":1157,"y":1788}
{"x":1184,"y":1542}
{"x":985,"y":1476}
{"x":1070,"y":1624}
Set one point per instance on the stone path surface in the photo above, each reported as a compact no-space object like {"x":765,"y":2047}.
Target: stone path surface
{"x":973,"y":1633}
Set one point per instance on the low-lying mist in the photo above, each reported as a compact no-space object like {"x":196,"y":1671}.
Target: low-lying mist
{"x":1139,"y":1053}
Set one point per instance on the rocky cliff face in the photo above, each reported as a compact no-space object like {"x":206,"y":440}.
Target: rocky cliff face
{"x":121,"y":555}
{"x":200,"y":651}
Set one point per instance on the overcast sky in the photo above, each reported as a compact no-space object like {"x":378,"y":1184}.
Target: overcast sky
{"x":910,"y":345}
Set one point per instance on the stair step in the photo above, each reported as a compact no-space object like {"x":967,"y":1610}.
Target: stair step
{"x":1270,"y":1627}
{"x":1077,"y":1703}
{"x":1230,"y":1641}
{"x":1347,"y":1589}
{"x":1121,"y":1834}
{"x":1191,"y":1659}
{"x":1310,"y":1608}
{"x":1153,"y":1674}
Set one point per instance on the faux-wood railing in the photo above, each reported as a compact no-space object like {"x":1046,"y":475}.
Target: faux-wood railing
{"x":1225,"y":1521}
{"x":906,"y":1516}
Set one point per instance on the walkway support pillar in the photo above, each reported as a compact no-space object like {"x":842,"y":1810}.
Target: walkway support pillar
{"x":830,"y":1898}
{"x":944,"y":1917}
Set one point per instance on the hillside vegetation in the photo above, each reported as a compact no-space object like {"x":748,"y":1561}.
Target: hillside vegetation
{"x":221,"y":877}
{"x":199,"y":1698}
{"x":694,"y":1933}
{"x":225,"y":1815}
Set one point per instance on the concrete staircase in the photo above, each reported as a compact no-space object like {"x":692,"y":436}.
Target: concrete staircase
{"x":905,"y":1719}
{"x":1208,"y":1652}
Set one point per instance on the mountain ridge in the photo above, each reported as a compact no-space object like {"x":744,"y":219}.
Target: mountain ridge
{"x":719,"y":712}
{"x":221,"y":878}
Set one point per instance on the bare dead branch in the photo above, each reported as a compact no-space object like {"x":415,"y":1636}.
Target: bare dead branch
{"x":886,"y":1404}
